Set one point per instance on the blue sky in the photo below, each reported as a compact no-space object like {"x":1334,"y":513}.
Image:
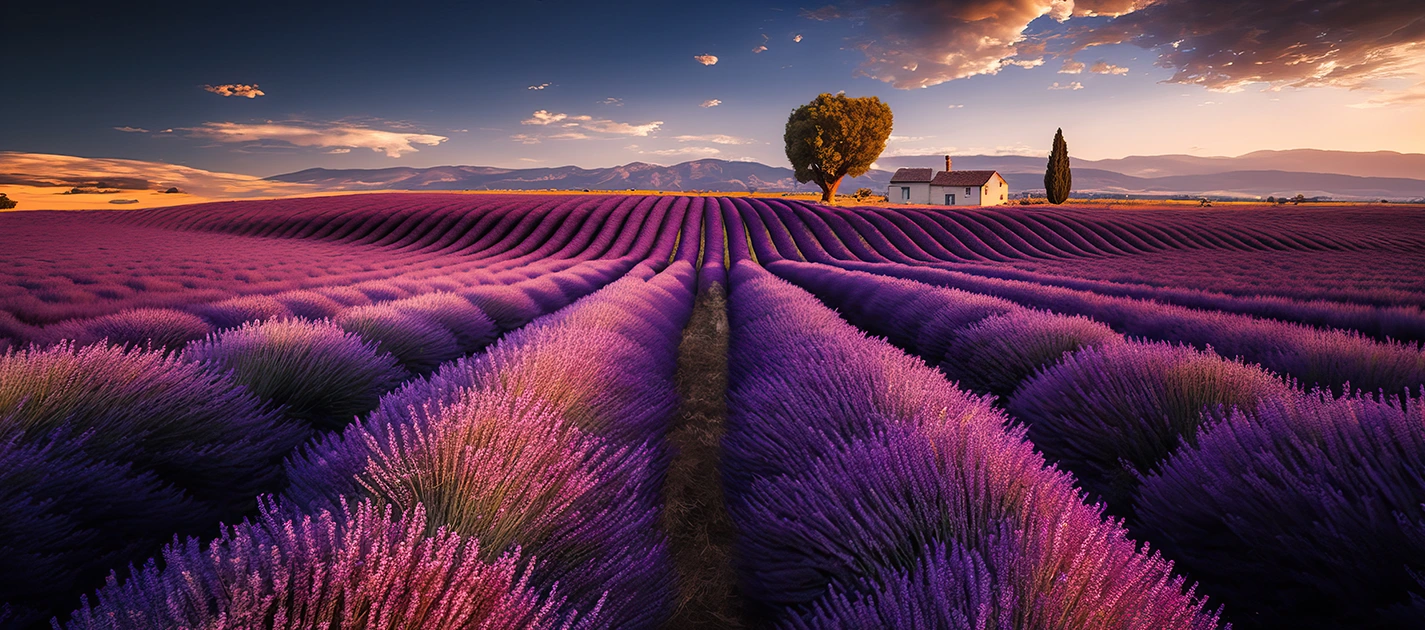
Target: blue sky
{"x":364,"y":85}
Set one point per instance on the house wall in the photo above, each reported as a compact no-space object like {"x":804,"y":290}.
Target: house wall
{"x":919,"y":193}
{"x":995,"y":192}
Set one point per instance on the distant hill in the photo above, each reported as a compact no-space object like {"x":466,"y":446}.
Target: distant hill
{"x":709,"y":175}
{"x":1337,"y":175}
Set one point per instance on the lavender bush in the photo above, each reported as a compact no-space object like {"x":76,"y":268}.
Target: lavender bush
{"x":318,"y":372}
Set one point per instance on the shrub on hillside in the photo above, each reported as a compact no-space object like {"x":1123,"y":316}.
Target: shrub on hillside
{"x":1307,"y":511}
{"x":70,"y":518}
{"x":417,"y":341}
{"x":1112,"y":414}
{"x":998,"y":353}
{"x":320,"y":373}
{"x":359,"y":568}
{"x":472,"y":328}
{"x":240,"y":310}
{"x":195,"y":429}
{"x":162,"y":328}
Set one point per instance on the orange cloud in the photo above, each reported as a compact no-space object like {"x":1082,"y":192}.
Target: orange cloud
{"x":707,"y":60}
{"x":235,"y":89}
{"x":392,"y":143}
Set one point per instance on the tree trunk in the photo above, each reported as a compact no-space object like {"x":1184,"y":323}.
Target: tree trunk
{"x":828,"y":189}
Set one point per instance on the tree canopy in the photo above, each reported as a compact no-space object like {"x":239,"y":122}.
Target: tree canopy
{"x":834,"y":136}
{"x":1058,"y":181}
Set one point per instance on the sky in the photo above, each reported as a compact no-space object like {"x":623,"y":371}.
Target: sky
{"x":261,"y":88}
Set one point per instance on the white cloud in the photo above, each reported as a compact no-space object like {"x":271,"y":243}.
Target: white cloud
{"x":895,"y":138}
{"x":1072,"y":67}
{"x":712,"y":102}
{"x":685,"y":152}
{"x":1415,"y":95}
{"x":759,"y":49}
{"x":339,"y":151}
{"x":797,"y":39}
{"x":955,"y":106}
{"x":524,"y":138}
{"x":616,"y":102}
{"x":543,"y":117}
{"x":541,"y":86}
{"x":707,"y":60}
{"x":131,"y":129}
{"x":905,"y":151}
{"x":235,"y":89}
{"x":1104,"y":67}
{"x":326,"y":135}
{"x":715,"y":139}
{"x":1075,"y":85}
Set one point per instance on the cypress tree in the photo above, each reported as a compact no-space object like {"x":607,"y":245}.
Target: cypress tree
{"x":1057,"y":179}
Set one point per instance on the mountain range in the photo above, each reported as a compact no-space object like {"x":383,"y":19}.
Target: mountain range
{"x":1314,"y":173}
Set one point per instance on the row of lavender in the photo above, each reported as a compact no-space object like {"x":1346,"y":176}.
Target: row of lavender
{"x":869,"y":492}
{"x":1294,"y":508}
{"x":1326,"y":357}
{"x":110,"y":451}
{"x":514,"y":489}
{"x":65,"y":268}
{"x":922,"y":238}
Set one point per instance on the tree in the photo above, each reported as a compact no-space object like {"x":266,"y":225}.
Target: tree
{"x":1058,"y":181}
{"x":1298,"y":199}
{"x":6,"y":202}
{"x":1271,"y":199}
{"x":835,"y":136}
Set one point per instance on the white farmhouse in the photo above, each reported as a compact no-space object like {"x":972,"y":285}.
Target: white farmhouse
{"x":948,"y":187}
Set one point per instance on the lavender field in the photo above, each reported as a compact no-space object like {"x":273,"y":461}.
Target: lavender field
{"x":661,"y":411}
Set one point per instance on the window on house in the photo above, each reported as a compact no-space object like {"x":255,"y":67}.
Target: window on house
{"x":905,"y":193}
{"x":967,"y":191}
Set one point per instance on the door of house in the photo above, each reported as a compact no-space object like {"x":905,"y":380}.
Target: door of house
{"x":949,"y":199}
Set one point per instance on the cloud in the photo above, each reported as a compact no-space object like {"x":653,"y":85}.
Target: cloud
{"x":685,"y":152}
{"x":906,"y":151}
{"x":712,"y":102}
{"x":326,"y":135}
{"x":131,"y":129}
{"x":920,"y":43}
{"x":339,"y":151}
{"x":538,"y":87}
{"x":1103,"y":67}
{"x":524,"y":138}
{"x":759,"y":49}
{"x":544,"y":118}
{"x":955,"y":106}
{"x":715,"y":139}
{"x":1415,"y":95}
{"x":1225,"y":44}
{"x":1072,"y":67}
{"x":895,"y":138}
{"x":1218,"y":44}
{"x":616,"y":102}
{"x":707,"y":60}
{"x":1075,"y":85}
{"x":235,"y":89}
{"x":797,"y":39}
{"x":49,"y":173}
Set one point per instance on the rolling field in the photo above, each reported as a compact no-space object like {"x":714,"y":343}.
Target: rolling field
{"x":661,"y":411}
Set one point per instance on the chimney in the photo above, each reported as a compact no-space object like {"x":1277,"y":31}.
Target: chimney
{"x":947,"y":163}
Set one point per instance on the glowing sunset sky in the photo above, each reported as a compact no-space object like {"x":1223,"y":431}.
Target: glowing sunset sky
{"x":262,"y":88}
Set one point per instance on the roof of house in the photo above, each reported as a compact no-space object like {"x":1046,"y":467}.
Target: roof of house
{"x":912,"y":175}
{"x":961,"y":178}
